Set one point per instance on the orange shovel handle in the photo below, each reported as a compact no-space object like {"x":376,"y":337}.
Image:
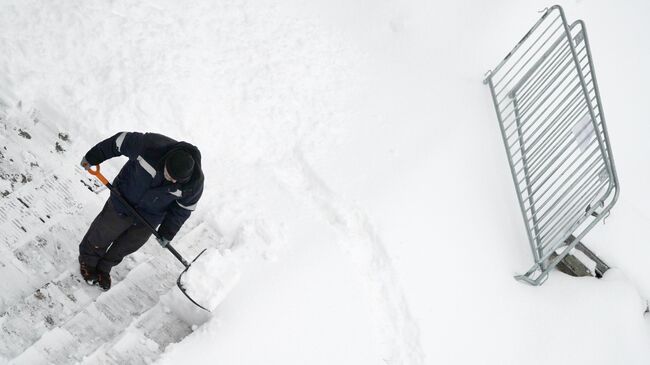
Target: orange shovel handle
{"x":98,"y":174}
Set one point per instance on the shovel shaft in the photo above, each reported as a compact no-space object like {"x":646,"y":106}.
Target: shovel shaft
{"x":177,"y":255}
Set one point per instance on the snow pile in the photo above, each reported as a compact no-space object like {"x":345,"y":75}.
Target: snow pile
{"x":210,"y":278}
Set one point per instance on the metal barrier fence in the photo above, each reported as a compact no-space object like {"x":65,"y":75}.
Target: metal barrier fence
{"x":550,"y":114}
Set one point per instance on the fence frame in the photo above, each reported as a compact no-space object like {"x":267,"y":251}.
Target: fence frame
{"x":576,"y":220}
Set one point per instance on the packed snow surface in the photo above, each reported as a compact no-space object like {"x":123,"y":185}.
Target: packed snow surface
{"x":358,"y":207}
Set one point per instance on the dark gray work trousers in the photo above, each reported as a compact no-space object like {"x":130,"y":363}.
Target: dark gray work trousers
{"x":110,"y":238}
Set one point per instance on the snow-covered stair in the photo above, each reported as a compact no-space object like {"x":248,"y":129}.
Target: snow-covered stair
{"x":116,"y":325}
{"x":27,"y":210}
{"x":127,"y":324}
{"x":143,"y":341}
{"x":48,"y":315}
{"x":39,"y":236}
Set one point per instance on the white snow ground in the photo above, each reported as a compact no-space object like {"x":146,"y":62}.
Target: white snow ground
{"x":355,"y":175}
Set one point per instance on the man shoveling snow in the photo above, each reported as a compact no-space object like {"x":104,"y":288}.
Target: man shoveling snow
{"x":162,"y":181}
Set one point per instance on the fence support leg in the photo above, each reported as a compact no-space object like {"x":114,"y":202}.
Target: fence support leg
{"x":571,"y":265}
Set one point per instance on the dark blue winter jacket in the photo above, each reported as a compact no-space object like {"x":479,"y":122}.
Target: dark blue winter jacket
{"x":141,"y":181}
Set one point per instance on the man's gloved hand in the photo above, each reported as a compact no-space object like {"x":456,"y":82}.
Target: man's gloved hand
{"x":84,"y":163}
{"x":162,"y":241}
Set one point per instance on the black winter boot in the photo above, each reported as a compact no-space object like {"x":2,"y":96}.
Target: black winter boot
{"x":104,"y":280}
{"x":87,"y":273}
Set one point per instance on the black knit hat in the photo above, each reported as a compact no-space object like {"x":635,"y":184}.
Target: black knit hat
{"x":180,"y":165}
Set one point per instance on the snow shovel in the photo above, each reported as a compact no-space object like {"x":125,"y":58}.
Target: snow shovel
{"x":137,"y":215}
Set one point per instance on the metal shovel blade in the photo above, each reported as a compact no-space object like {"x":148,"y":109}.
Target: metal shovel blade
{"x":183,"y":289}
